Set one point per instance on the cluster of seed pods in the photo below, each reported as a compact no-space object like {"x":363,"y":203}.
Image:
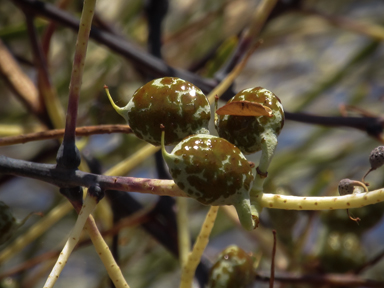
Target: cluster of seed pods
{"x":347,"y":186}
{"x":210,"y":169}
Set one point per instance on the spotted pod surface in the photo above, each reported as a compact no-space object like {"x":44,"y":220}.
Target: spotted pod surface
{"x":247,"y":132}
{"x":179,"y":105}
{"x":210,"y":169}
{"x":8,"y":223}
{"x":346,"y":186}
{"x":233,"y":268}
{"x":376,"y":158}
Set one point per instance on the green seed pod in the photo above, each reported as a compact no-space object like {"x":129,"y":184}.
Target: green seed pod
{"x":233,"y":268}
{"x":178,"y":104}
{"x":248,"y":132}
{"x":212,"y":171}
{"x":8,"y":223}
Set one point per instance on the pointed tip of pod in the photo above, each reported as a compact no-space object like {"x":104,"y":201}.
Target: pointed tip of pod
{"x":164,"y":152}
{"x":119,"y":110}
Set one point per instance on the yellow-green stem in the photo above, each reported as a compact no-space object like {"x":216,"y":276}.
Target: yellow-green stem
{"x":105,"y":254}
{"x":87,"y":208}
{"x":194,"y":257}
{"x":322,"y":203}
{"x":183,"y":229}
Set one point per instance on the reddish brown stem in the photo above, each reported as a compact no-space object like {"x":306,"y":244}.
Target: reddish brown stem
{"x":58,"y":133}
{"x":272,"y":278}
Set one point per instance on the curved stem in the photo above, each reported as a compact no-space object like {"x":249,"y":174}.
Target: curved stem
{"x":363,"y":179}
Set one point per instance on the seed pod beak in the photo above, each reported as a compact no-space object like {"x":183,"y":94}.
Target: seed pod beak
{"x":119,"y":110}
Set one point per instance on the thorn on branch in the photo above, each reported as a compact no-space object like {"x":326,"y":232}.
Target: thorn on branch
{"x":68,"y":156}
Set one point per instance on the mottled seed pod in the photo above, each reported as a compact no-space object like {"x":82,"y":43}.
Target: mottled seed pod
{"x":233,"y":268}
{"x":178,"y":104}
{"x":8,"y":223}
{"x":213,"y":171}
{"x":376,"y":159}
{"x":347,"y":186}
{"x":248,"y":132}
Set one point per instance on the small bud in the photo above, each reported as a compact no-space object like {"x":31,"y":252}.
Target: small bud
{"x":376,"y":159}
{"x":346,"y":186}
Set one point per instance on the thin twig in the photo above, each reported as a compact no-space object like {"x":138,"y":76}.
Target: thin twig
{"x":88,"y":206}
{"x":219,"y":90}
{"x":369,"y":29}
{"x":47,"y":92}
{"x":20,"y":83}
{"x":77,"y":70}
{"x":59,"y":133}
{"x":272,"y":277}
{"x":369,"y":263}
{"x":105,"y":254}
{"x":334,"y":280}
{"x":47,"y":36}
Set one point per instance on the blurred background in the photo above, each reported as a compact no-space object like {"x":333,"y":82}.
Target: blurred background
{"x":316,"y":56}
